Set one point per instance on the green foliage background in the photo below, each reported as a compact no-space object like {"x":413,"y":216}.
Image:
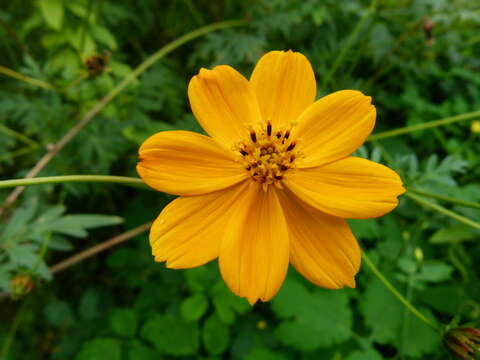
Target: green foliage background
{"x":120,"y":305}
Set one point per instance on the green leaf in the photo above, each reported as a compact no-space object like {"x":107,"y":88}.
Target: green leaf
{"x":385,"y":324}
{"x":454,"y":234}
{"x":312,"y":320}
{"x":172,"y":335}
{"x":88,"y":307}
{"x":216,"y":335}
{"x":226,"y":304}
{"x":264,"y":354}
{"x":52,"y":12}
{"x":77,"y":225}
{"x":59,"y":313}
{"x":435,"y":272}
{"x":194,"y":307}
{"x":101,"y":349}
{"x":139,"y":351}
{"x":418,"y":339}
{"x":23,"y":254}
{"x":104,"y":36}
{"x":364,"y":355}
{"x":124,"y":322}
{"x":365,"y":228}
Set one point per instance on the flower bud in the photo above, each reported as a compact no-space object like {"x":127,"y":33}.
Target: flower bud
{"x":463,"y":342}
{"x":20,"y":286}
{"x":475,"y":127}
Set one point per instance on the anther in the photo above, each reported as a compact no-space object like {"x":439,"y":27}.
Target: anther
{"x":278,"y":177}
{"x":279,"y":135}
{"x":291,"y":146}
{"x":253,"y":136}
{"x":284,"y":167}
{"x":287,"y":134}
{"x":269,"y":129}
{"x":243,"y":152}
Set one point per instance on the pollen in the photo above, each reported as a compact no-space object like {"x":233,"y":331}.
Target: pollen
{"x":267,"y":155}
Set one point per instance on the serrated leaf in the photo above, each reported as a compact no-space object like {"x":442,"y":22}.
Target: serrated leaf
{"x":194,"y":307}
{"x":312,"y":320}
{"x":216,"y":335}
{"x":101,"y":349}
{"x":124,"y":322}
{"x":52,"y":12}
{"x":172,"y":335}
{"x":384,"y":324}
{"x":23,"y":254}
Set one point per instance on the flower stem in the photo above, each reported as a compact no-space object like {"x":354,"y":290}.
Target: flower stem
{"x":122,"y":180}
{"x":445,"y":198}
{"x":427,"y":125}
{"x":12,"y":331}
{"x":348,"y":44}
{"x":27,"y":79}
{"x":397,"y":294}
{"x":442,"y":210}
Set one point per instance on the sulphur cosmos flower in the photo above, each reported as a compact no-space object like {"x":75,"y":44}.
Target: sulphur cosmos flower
{"x":273,"y":181}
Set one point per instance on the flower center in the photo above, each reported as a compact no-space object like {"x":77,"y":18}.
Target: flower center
{"x":267,"y":155}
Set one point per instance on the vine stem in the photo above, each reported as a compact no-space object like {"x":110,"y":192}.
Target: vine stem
{"x":442,"y":210}
{"x":445,"y":198}
{"x":426,"y":125}
{"x":122,"y":180}
{"x":12,"y":331}
{"x":397,"y":294}
{"x":112,"y":94}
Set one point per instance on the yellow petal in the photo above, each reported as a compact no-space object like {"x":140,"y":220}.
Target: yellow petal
{"x":334,"y":127}
{"x":322,"y":247}
{"x":349,"y":188}
{"x":189,"y":230}
{"x":187,"y":163}
{"x":285,"y":86}
{"x":224,"y":103}
{"x":254,"y":252}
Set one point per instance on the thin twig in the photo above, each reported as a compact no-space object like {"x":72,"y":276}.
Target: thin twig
{"x":111,"y":95}
{"x":75,"y":259}
{"x":27,"y":79}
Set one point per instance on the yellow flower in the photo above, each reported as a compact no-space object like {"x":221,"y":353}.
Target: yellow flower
{"x":273,"y":181}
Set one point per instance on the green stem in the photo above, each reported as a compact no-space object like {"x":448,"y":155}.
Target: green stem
{"x":17,"y":135}
{"x":395,"y":293}
{"x":122,"y":180}
{"x":348,"y":44}
{"x":442,"y":210}
{"x":427,"y":125}
{"x":445,"y":198}
{"x":12,"y":331}
{"x":27,"y":79}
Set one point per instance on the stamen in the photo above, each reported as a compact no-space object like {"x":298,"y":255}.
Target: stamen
{"x":268,"y":155}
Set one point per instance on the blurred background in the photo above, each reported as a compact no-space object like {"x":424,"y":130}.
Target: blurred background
{"x":418,"y":59}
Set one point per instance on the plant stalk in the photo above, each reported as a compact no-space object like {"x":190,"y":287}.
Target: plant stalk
{"x":397,"y":294}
